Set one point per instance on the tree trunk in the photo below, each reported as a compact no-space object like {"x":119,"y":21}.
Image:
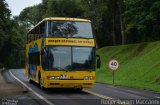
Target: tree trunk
{"x":121,"y":22}
{"x":113,"y":30}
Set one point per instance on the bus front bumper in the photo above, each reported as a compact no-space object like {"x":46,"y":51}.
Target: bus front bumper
{"x":69,"y":84}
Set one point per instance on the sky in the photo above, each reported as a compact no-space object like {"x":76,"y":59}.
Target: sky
{"x":16,"y":6}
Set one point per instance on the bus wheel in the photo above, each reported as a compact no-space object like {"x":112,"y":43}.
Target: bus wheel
{"x":78,"y":89}
{"x":40,"y":82}
{"x":42,"y":87}
{"x":30,"y":81}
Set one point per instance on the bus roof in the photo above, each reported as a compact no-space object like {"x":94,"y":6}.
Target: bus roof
{"x":67,"y":19}
{"x":61,"y":19}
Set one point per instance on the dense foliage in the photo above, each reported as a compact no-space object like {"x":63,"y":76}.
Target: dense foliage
{"x":11,"y":40}
{"x":114,"y":22}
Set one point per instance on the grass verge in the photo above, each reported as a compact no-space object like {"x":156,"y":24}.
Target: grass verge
{"x":139,"y":65}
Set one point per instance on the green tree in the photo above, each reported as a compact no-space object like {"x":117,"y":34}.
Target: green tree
{"x":63,"y":8}
{"x":142,"y":20}
{"x":4,"y":16}
{"x":10,"y":37}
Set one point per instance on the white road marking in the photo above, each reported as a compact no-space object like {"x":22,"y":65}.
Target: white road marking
{"x":25,"y":85}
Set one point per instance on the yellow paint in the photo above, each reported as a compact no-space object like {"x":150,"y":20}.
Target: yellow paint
{"x":78,"y":76}
{"x":67,"y":19}
{"x":70,"y":41}
{"x":107,"y":98}
{"x":38,"y":42}
{"x":97,"y":94}
{"x":77,"y":79}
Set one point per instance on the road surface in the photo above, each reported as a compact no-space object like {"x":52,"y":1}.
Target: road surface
{"x":99,"y":95}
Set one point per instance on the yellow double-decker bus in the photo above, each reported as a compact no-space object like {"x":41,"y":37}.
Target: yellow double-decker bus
{"x":60,"y":53}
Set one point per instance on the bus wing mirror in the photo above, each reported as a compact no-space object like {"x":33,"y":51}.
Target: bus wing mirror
{"x":98,"y":61}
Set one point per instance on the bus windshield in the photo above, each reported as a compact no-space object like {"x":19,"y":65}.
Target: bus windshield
{"x":70,"y":58}
{"x":70,"y":29}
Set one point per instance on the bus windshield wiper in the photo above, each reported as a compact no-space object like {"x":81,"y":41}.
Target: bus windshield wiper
{"x":79,"y":37}
{"x":59,"y":68}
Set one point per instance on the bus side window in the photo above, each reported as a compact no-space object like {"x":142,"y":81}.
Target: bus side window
{"x":27,"y":40}
{"x":37,"y":58}
{"x":34,"y":58}
{"x":44,"y":57}
{"x":42,"y":30}
{"x":30,"y":58}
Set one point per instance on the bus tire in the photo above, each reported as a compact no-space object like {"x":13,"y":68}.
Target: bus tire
{"x":79,"y":89}
{"x":40,"y":81}
{"x":30,"y":81}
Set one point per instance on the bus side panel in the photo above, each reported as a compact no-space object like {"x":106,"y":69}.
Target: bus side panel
{"x":27,"y":60}
{"x":32,"y":70}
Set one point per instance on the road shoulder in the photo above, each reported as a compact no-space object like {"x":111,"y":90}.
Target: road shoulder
{"x":8,"y":89}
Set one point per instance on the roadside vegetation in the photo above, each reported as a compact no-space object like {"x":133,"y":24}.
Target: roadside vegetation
{"x":139,"y":65}
{"x":11,"y":39}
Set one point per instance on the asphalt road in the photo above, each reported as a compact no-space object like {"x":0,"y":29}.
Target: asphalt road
{"x":99,"y":95}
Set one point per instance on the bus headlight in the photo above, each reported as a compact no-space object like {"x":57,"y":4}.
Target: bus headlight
{"x":88,"y":78}
{"x":53,"y":77}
